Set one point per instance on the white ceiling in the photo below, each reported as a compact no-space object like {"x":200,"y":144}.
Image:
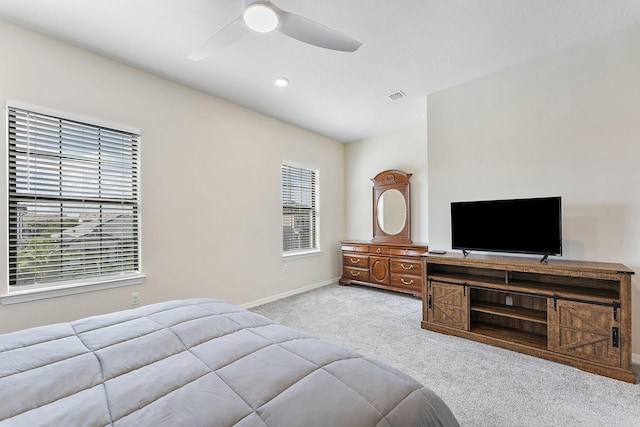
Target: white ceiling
{"x":415,"y":46}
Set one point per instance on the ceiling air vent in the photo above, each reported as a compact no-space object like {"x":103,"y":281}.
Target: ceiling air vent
{"x":398,"y":95}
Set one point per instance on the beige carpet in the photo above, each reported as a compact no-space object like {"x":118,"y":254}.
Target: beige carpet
{"x":483,"y":385}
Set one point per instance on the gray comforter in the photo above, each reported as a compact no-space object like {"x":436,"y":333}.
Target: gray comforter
{"x":200,"y":362}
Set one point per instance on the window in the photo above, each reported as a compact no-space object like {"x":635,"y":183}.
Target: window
{"x":73,"y":201}
{"x":299,"y":209}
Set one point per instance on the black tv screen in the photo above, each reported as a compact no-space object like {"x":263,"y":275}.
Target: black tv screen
{"x":531,"y":226}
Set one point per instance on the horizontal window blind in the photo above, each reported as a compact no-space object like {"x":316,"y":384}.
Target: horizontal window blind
{"x":299,"y":209}
{"x":73,"y":200}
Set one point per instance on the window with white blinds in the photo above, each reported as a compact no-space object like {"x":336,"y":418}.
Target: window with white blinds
{"x":299,"y":209}
{"x":73,"y":200}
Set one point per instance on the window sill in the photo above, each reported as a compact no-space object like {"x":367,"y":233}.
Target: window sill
{"x":34,"y":294}
{"x":301,"y":254}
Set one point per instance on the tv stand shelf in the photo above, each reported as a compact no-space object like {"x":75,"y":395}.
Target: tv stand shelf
{"x":510,"y":336}
{"x":527,"y":314}
{"x":572,"y":312}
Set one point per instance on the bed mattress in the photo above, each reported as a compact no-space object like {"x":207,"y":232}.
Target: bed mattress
{"x":199,"y":362}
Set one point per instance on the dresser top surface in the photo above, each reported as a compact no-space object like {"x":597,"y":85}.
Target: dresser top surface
{"x":370,"y":243}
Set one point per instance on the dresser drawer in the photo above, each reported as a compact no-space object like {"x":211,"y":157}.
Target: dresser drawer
{"x":407,"y":251}
{"x":406,"y":281}
{"x":406,"y":266}
{"x":355,"y":274}
{"x":354,"y":260}
{"x":378,"y":250}
{"x":355,"y":248}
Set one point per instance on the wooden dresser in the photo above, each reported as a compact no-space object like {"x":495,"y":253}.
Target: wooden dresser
{"x":395,"y":267}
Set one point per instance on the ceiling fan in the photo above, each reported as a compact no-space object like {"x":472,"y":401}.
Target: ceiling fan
{"x":262,"y":16}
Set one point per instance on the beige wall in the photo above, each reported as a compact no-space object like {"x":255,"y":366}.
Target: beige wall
{"x":405,"y":149}
{"x":211,"y":214}
{"x":567,"y":125}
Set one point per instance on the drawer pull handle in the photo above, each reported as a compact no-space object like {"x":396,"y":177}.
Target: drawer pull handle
{"x":378,"y":250}
{"x":354,"y":260}
{"x":405,"y":267}
{"x":355,"y":273}
{"x":410,"y":282}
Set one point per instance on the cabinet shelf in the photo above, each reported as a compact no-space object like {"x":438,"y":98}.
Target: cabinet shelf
{"x":511,"y":335}
{"x":530,"y":287}
{"x":520,"y":313}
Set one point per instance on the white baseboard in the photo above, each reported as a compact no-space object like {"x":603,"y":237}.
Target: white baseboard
{"x":288,"y":293}
{"x":635,"y":358}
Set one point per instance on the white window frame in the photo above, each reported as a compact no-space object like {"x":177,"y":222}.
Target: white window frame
{"x":316,"y":196}
{"x":22,"y":293}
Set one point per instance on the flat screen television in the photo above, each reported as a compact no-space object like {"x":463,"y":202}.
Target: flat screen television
{"x":528,"y":226}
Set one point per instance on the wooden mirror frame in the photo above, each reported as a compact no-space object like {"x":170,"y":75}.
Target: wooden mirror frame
{"x":388,"y":180}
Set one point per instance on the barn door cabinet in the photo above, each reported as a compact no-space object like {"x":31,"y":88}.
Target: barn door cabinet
{"x":572,"y":312}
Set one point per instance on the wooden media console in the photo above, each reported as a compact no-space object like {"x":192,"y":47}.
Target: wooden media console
{"x":573,"y":312}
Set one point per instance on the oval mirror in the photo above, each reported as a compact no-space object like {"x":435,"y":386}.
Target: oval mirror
{"x":392,"y":211}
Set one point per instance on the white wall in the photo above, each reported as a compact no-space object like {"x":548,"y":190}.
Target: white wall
{"x":406,"y":150}
{"x":211,"y":213}
{"x":567,"y":125}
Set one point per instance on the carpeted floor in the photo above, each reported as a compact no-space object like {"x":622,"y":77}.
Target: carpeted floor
{"x":483,"y":385}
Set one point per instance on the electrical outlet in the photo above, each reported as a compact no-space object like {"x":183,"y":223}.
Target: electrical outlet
{"x":135,"y":298}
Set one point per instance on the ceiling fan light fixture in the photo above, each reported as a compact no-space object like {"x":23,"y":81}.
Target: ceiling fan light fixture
{"x":260,"y":17}
{"x":263,"y":16}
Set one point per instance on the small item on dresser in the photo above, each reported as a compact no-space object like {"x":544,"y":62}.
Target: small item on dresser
{"x":437,"y":251}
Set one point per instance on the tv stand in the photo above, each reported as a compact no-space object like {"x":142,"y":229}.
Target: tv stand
{"x":544,"y":259}
{"x":573,"y":312}
{"x":465,"y":253}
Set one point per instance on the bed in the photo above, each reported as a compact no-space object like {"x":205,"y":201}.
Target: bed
{"x":199,"y":362}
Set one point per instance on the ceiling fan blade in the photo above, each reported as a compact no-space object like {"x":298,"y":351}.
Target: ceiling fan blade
{"x":311,"y":32}
{"x":220,"y":40}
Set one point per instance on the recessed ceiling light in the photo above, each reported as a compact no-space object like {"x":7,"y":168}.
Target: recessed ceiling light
{"x":260,"y":17}
{"x":281,"y":81}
